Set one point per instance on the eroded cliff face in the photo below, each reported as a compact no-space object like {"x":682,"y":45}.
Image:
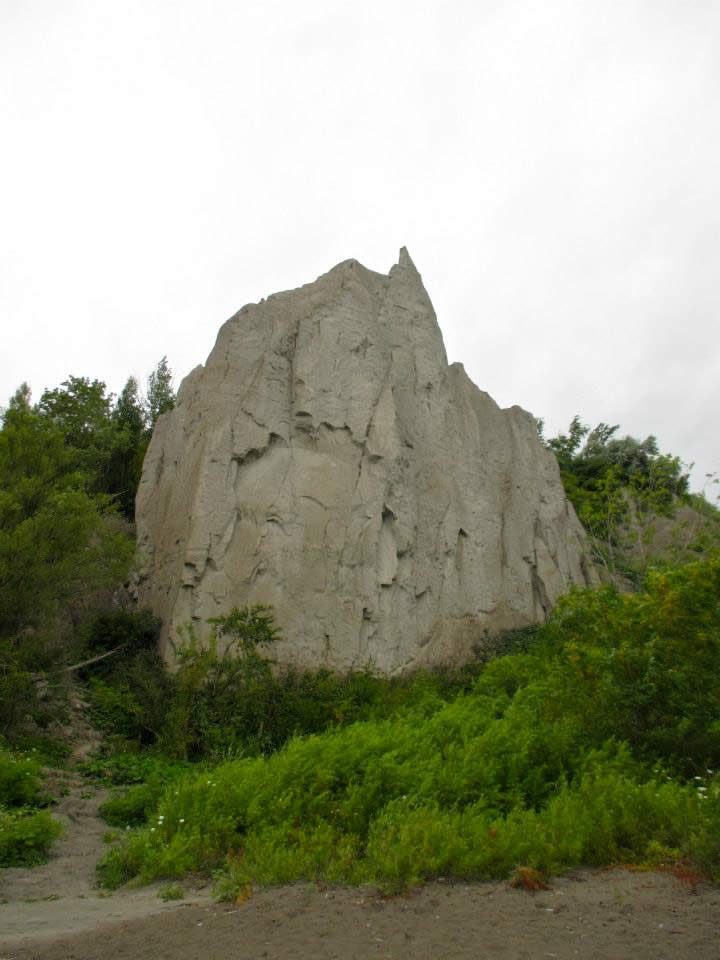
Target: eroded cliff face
{"x":326,"y":460}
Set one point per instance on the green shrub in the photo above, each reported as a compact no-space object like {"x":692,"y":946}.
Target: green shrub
{"x":45,"y":749}
{"x":225,"y":701}
{"x":348,"y":833}
{"x":173,"y":891}
{"x":18,"y":691}
{"x":134,"y":806}
{"x":130,"y":631}
{"x":556,"y":756}
{"x":114,"y":710}
{"x":649,"y":663}
{"x":133,"y":767}
{"x":19,"y":783}
{"x":26,"y":837}
{"x":130,"y":691}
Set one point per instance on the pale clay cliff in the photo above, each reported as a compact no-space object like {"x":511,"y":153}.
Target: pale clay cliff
{"x":326,"y":460}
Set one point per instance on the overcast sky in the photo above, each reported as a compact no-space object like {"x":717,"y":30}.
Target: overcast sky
{"x":552,"y":166}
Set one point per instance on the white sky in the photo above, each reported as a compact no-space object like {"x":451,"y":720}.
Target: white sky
{"x":552,"y":166}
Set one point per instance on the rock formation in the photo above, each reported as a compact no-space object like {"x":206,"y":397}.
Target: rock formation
{"x":326,"y":460}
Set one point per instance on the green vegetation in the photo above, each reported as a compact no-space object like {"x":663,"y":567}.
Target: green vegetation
{"x":632,"y":500}
{"x":26,"y":837}
{"x":19,"y":783}
{"x":594,"y":746}
{"x":592,"y":739}
{"x":26,"y":833}
{"x":69,"y":468}
{"x":60,"y":544}
{"x":224,"y":700}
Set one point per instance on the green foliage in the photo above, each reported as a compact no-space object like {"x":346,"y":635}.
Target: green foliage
{"x":104,"y":438}
{"x":557,"y":755}
{"x":132,"y":767}
{"x":219,"y":684}
{"x":80,"y":408}
{"x":19,"y":783}
{"x":65,"y":466}
{"x":44,"y":749}
{"x":26,"y":837}
{"x":649,"y":662}
{"x":224,"y":700}
{"x":54,"y":542}
{"x":135,"y":805}
{"x":172,"y":891}
{"x":131,"y":631}
{"x":132,"y":807}
{"x":612,"y":482}
{"x":25,"y":834}
{"x":130,"y":692}
{"x":160,"y":393}
{"x":115,"y":711}
{"x":58,"y":546}
{"x":18,"y":691}
{"x":131,"y":436}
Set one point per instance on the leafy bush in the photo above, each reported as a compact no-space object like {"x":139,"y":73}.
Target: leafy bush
{"x":557,"y":755}
{"x":25,"y":834}
{"x":649,"y":663}
{"x":218,"y":685}
{"x":130,"y":691}
{"x":128,"y":768}
{"x":254,"y":822}
{"x":19,"y":783}
{"x":122,"y":629}
{"x":18,"y":691}
{"x":114,"y":709}
{"x":26,"y":837}
{"x":613,"y":482}
{"x":224,"y":700}
{"x":45,"y":749}
{"x":134,"y":806}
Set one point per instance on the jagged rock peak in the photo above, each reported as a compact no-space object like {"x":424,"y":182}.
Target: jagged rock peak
{"x":326,"y":460}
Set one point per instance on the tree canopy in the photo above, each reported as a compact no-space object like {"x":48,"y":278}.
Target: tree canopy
{"x":611,"y":480}
{"x":69,"y":470}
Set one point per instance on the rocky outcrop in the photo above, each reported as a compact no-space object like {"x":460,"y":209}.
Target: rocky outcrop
{"x":326,"y":460}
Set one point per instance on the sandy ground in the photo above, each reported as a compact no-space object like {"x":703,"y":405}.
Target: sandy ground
{"x":61,"y":897}
{"x":55,"y":912}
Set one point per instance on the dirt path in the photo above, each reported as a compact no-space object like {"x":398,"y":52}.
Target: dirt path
{"x":61,"y":897}
{"x":55,"y":912}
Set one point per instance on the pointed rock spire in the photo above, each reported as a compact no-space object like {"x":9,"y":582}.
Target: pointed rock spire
{"x":328,"y":462}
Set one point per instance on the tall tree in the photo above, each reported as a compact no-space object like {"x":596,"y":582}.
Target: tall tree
{"x":82,"y":410}
{"x":130,"y":421}
{"x":55,"y":546}
{"x":160,"y":393}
